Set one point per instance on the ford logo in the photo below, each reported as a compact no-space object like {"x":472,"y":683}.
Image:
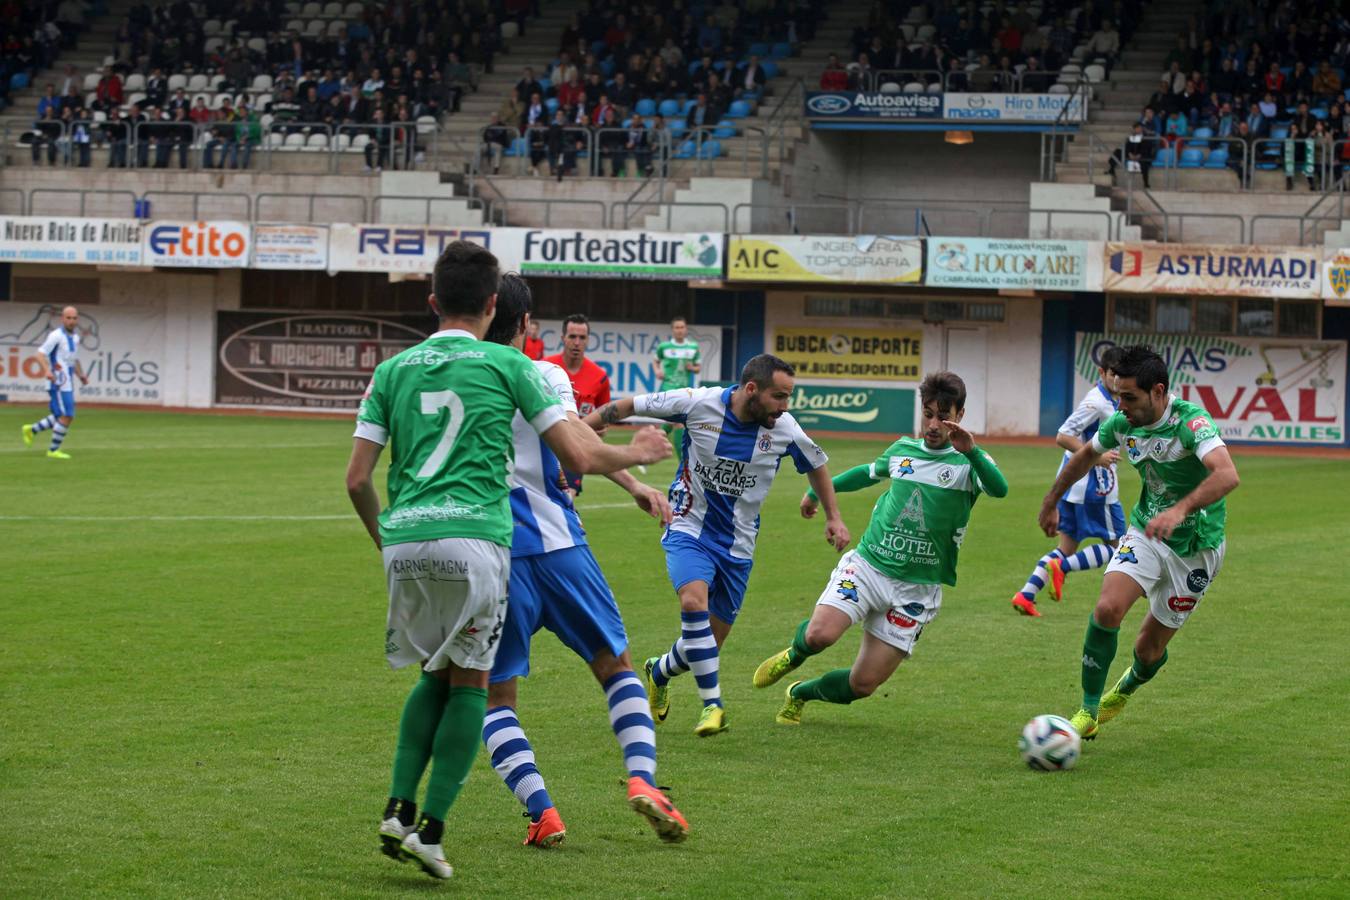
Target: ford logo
{"x":827,"y":104}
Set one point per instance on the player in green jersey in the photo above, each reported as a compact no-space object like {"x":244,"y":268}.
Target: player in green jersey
{"x":678,"y":360}
{"x":892,"y":583}
{"x":1174,"y":546}
{"x":444,"y":408}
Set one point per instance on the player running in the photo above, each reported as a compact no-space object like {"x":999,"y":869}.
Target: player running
{"x":892,"y":583}
{"x":1092,"y":506}
{"x":1174,"y":547}
{"x":734,"y":441}
{"x":556,"y":584}
{"x":445,"y":407}
{"x":677,"y":361}
{"x":60,"y":366}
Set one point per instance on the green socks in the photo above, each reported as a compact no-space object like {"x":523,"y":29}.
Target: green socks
{"x":1140,"y":674}
{"x":454,"y":748}
{"x":416,"y":731}
{"x":798,"y":653}
{"x":1099,"y":648}
{"x":832,"y":687}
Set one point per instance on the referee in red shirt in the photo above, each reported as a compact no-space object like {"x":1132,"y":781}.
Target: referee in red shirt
{"x":590,"y":384}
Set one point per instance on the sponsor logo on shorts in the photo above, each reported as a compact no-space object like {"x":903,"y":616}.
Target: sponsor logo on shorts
{"x":765,"y":443}
{"x":914,"y":609}
{"x":848,"y":590}
{"x":899,"y":619}
{"x":1126,"y":554}
{"x":1197,"y":580}
{"x":1181,"y":604}
{"x":390,"y":645}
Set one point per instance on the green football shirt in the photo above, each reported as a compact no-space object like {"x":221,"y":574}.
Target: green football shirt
{"x":445,"y":409}
{"x":674,"y":357}
{"x":918,"y":524}
{"x":1167,"y":455}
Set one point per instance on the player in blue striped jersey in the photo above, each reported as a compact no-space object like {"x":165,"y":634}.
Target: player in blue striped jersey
{"x":1091,"y":508}
{"x":734,"y":441}
{"x":60,"y":366}
{"x":556,"y":584}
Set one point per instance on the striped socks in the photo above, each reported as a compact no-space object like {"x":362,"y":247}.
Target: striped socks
{"x":58,"y":435}
{"x":630,"y":717}
{"x":1036,"y":580}
{"x":695,"y":650}
{"x":43,"y":425}
{"x":513,"y":759}
{"x":1093,"y":557}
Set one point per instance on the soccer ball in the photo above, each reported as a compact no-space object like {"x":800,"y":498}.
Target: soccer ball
{"x":1049,"y":744}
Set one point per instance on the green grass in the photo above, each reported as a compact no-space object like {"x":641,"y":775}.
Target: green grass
{"x":201,"y":706}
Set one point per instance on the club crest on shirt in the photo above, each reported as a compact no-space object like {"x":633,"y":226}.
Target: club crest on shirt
{"x":765,"y":443}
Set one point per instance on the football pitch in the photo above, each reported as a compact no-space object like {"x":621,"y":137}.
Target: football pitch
{"x":194,"y":699}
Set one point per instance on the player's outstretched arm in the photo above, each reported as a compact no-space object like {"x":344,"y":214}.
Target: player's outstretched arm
{"x":854,"y":479}
{"x":836,"y":532}
{"x":606,"y":415}
{"x":1074,"y":468}
{"x":1219,"y":483}
{"x":579,"y":451}
{"x":648,"y":499}
{"x":361,"y":489}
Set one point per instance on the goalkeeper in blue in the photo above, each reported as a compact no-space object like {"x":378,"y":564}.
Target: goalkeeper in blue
{"x":556,"y":584}
{"x":1091,"y":508}
{"x":891,"y":584}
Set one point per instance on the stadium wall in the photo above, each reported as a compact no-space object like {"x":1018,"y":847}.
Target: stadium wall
{"x":1000,"y":361}
{"x":150,"y":336}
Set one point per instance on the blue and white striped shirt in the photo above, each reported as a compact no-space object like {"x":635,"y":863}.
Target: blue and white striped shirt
{"x":727,"y":466}
{"x":61,"y":349}
{"x":545,"y":519}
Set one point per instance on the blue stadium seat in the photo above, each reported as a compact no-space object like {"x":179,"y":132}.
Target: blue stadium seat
{"x":725,"y":129}
{"x":1217,"y":159}
{"x":710,"y":150}
{"x":1163,"y":157}
{"x":783,"y":50}
{"x":544,"y":83}
{"x":1279,"y":132}
{"x":770,"y":69}
{"x":684,"y":151}
{"x":18,"y":81}
{"x":688,"y":104}
{"x":645,"y":107}
{"x":551,"y":104}
{"x":739,"y":110}
{"x":676,"y":127}
{"x":519,"y":147}
{"x":1192,"y":158}
{"x":669,"y":108}
{"x":760,"y":50}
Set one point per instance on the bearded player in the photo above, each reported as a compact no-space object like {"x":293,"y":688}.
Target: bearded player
{"x":1174,"y":547}
{"x":734,"y":442}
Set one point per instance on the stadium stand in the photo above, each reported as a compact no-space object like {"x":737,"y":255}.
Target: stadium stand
{"x":1228,"y":100}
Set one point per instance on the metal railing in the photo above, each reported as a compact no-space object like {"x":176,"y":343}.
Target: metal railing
{"x":149,"y":203}
{"x":84,"y":195}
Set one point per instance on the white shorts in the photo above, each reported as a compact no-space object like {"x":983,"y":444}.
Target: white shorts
{"x":894,"y":611}
{"x":1173,"y":584}
{"x":447,"y":602}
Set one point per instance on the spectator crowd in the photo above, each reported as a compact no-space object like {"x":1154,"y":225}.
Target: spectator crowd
{"x":1249,"y":85}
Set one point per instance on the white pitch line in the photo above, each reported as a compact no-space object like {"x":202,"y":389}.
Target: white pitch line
{"x":103,"y":448}
{"x":259,"y":518}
